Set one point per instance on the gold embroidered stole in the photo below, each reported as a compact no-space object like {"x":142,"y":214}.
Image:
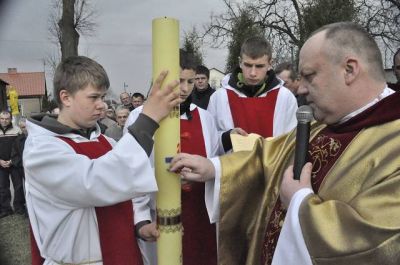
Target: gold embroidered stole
{"x":323,"y":152}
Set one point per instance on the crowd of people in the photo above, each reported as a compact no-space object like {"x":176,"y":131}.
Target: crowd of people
{"x":90,"y":181}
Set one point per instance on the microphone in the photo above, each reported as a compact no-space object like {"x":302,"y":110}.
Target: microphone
{"x":304,"y":116}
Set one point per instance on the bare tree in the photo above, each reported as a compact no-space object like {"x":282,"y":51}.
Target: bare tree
{"x":382,"y":19}
{"x":68,"y":20}
{"x":192,"y":44}
{"x":286,"y":23}
{"x":242,"y":28}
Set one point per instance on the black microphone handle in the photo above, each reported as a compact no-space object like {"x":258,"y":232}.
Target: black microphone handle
{"x":300,"y":155}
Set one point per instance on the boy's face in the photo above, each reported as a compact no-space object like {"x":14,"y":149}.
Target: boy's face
{"x":186,"y":79}
{"x":254,"y":70}
{"x":82,"y":109}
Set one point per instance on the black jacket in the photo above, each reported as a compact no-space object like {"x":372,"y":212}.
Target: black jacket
{"x":7,"y":137}
{"x":17,"y":150}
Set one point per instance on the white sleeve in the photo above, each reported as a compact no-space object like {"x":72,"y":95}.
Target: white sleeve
{"x":212,"y":189}
{"x":72,"y":181}
{"x":142,"y":207}
{"x":221,"y":112}
{"x":210,"y":134}
{"x":291,"y":247}
{"x":285,"y":112}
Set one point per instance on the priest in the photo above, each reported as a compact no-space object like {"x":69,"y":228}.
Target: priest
{"x":345,"y":207}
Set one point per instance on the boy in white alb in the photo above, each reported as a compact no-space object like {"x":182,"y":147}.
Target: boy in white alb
{"x":199,"y":136}
{"x":79,"y":183}
{"x":252,"y":98}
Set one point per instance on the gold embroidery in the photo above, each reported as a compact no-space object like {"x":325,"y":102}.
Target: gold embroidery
{"x":321,"y":151}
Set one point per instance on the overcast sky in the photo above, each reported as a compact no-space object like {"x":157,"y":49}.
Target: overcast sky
{"x":122,"y":43}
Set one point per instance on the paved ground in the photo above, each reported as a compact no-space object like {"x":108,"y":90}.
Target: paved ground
{"x":14,"y":240}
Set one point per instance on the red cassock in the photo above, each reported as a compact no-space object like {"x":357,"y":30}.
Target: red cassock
{"x":199,"y":236}
{"x":116,"y":229}
{"x":245,"y":110}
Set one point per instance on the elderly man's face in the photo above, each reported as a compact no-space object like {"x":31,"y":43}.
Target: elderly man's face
{"x":322,"y":81}
{"x":22,"y":126}
{"x":5,"y":119}
{"x":125,"y":99}
{"x":122,"y":116}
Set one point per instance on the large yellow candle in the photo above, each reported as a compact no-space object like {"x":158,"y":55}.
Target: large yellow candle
{"x":166,"y":57}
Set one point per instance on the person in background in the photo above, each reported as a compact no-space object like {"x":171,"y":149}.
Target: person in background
{"x":104,"y":121}
{"x":115,"y":130}
{"x":137,"y":99}
{"x":287,"y":73}
{"x":110,"y":113}
{"x":17,"y":158}
{"x":345,"y":208}
{"x":202,"y":90}
{"x":126,"y":100}
{"x":396,"y":71}
{"x":252,"y":98}
{"x":55,"y":111}
{"x":8,"y":134}
{"x":80,"y":183}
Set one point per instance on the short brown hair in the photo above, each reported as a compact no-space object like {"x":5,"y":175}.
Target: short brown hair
{"x":256,"y":47}
{"x":77,"y":72}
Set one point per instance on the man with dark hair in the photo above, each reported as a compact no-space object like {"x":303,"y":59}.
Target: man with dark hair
{"x":345,"y":209}
{"x":137,"y":99}
{"x":252,"y":99}
{"x":202,"y":90}
{"x":396,"y":71}
{"x":8,"y":134}
{"x":288,"y":74}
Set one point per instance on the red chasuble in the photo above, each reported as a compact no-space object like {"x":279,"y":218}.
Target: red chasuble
{"x":116,"y":229}
{"x":199,"y":237}
{"x":324,"y":150}
{"x":254,"y":115}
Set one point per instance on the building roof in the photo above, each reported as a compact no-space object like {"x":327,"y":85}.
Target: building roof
{"x":26,"y":84}
{"x":3,"y":82}
{"x":215,"y":69}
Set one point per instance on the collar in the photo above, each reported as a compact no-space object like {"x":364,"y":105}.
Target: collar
{"x":236,"y":81}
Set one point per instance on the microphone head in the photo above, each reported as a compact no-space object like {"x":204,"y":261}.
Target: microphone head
{"x":304,"y":114}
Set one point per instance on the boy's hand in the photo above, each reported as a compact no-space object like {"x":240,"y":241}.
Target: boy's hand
{"x":161,"y":101}
{"x":149,"y":232}
{"x":239,"y":130}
